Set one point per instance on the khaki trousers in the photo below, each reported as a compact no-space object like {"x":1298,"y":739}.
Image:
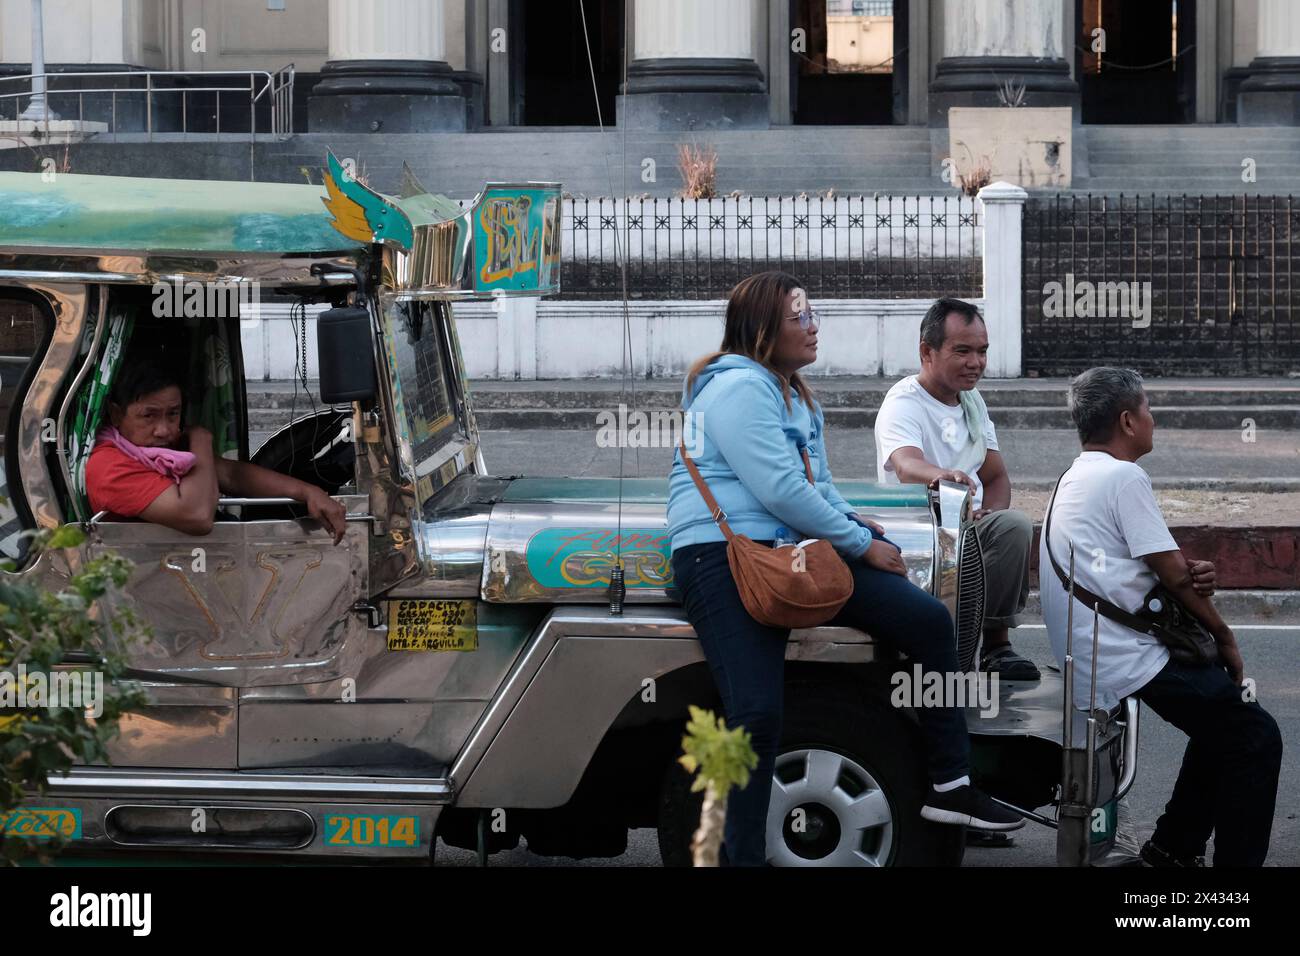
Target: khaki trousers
{"x":1004,"y":538}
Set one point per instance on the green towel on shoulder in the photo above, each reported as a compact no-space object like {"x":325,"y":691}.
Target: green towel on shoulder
{"x":970,"y":457}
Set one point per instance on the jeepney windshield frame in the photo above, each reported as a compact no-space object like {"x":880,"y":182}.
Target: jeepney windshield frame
{"x":434,"y":442}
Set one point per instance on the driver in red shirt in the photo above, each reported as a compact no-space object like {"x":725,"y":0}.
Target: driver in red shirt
{"x":145,"y":407}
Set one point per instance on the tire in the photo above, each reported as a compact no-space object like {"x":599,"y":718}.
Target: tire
{"x":838,"y":747}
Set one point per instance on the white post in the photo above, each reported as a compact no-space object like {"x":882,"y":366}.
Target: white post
{"x":1003,"y":206}
{"x":38,"y":110}
{"x":516,"y":322}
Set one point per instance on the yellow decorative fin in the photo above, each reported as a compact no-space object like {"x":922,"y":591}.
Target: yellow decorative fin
{"x":349,"y":216}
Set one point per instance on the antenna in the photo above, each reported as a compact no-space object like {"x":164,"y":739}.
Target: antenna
{"x":617,"y":589}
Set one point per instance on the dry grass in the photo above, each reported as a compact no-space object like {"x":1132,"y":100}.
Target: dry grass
{"x":976,"y":178}
{"x":699,"y":170}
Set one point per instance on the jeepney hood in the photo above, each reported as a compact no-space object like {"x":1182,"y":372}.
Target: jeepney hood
{"x":555,"y":540}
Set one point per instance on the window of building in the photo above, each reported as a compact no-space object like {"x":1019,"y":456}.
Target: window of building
{"x":557,"y":83}
{"x":1136,"y":61}
{"x":847,"y":67}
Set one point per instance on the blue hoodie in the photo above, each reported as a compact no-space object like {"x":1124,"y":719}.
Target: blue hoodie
{"x":746,"y":446}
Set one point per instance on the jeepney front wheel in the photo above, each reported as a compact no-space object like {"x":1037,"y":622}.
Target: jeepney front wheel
{"x":848,"y":788}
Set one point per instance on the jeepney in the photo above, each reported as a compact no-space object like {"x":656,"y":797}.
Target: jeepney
{"x":459,"y":666}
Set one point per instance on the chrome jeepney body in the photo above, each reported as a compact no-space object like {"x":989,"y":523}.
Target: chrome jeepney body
{"x":456,"y":653}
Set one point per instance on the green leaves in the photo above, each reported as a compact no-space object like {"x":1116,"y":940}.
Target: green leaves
{"x":39,"y":628}
{"x":716,"y":755}
{"x":66,"y":536}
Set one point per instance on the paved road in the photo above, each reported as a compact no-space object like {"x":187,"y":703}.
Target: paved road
{"x":1271,"y":658}
{"x":1033,"y":455}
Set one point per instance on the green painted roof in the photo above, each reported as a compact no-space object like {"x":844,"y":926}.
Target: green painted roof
{"x":164,"y":215}
{"x":860,"y":494}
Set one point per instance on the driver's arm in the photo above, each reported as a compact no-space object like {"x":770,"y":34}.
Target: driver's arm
{"x":246,"y":480}
{"x":190,"y":506}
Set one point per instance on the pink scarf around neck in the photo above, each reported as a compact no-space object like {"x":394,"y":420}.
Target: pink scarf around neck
{"x":168,"y":462}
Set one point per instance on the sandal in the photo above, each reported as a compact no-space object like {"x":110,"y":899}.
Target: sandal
{"x":1008,"y":665}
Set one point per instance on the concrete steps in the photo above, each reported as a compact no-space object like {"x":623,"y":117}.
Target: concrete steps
{"x":848,"y":402}
{"x":1190,"y":159}
{"x":778,"y":161}
{"x":787,"y":160}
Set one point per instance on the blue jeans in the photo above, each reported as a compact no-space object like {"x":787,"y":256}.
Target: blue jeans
{"x":747,"y":660}
{"x":1228,"y":781}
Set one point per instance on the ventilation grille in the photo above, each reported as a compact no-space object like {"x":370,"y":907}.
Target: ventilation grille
{"x":970,"y":598}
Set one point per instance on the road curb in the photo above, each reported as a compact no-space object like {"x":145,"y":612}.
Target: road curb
{"x":1248,"y":558}
{"x":1272,"y":607}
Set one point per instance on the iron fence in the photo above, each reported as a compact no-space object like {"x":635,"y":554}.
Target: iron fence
{"x":900,"y":247}
{"x":1174,"y":285}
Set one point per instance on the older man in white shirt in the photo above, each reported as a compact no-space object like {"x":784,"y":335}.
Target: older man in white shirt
{"x":1104,"y":505}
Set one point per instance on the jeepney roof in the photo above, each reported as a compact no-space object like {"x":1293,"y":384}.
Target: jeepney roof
{"x":124,"y":213}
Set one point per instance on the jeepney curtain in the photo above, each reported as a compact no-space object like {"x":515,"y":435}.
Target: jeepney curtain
{"x":212,"y":404}
{"x":93,"y":401}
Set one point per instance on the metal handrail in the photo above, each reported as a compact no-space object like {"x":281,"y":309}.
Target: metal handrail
{"x":276,"y":89}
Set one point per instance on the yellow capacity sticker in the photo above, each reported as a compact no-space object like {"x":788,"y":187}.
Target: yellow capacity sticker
{"x":432,"y":625}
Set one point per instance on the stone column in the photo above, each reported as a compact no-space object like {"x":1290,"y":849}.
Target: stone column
{"x":987,"y":43}
{"x":1270,"y":95}
{"x":387,"y":70}
{"x":693,"y":67}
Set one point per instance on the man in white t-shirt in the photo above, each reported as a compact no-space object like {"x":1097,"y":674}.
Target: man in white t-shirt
{"x":1105,"y":506}
{"x":936,"y":426}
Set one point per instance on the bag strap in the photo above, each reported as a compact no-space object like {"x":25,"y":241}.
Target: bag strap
{"x":715,"y":510}
{"x":1090,"y":600}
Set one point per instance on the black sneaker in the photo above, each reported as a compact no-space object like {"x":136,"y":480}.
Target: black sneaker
{"x":967,"y":806}
{"x":1154,"y":855}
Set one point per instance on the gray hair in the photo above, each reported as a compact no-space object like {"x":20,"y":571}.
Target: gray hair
{"x":1099,"y":396}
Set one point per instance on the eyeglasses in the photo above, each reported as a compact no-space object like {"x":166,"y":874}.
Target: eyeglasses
{"x":808,"y":317}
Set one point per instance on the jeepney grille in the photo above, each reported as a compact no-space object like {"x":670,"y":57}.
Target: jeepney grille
{"x":970,"y":598}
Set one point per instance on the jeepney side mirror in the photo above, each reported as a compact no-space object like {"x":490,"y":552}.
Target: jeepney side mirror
{"x":346,"y":355}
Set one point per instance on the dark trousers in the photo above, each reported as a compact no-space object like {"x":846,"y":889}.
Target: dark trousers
{"x":1228,"y":781}
{"x":748,"y":664}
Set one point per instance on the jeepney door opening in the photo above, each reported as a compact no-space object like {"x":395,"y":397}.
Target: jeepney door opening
{"x":263,"y":600}
{"x":26,"y":324}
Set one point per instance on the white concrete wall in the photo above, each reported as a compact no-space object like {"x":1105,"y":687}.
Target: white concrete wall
{"x":529,"y":339}
{"x":268,"y":343}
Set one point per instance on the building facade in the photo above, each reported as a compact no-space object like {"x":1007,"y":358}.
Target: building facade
{"x":399,"y":66}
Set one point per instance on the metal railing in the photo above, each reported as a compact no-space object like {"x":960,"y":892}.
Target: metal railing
{"x":899,"y":247}
{"x":260,"y":94}
{"x":1181,"y":285}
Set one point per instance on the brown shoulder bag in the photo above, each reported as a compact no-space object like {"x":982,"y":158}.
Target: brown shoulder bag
{"x":776,"y":588}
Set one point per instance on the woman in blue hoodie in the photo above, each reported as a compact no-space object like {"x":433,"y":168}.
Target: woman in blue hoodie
{"x":751,"y":415}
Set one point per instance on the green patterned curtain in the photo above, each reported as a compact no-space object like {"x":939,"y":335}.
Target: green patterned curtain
{"x":211,"y":398}
{"x":92,"y":404}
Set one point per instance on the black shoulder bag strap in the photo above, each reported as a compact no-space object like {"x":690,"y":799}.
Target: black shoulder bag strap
{"x":1090,"y":600}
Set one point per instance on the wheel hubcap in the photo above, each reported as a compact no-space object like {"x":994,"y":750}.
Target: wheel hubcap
{"x":827,"y":810}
